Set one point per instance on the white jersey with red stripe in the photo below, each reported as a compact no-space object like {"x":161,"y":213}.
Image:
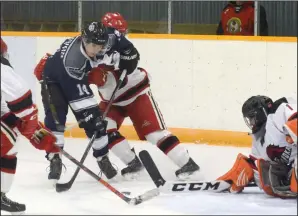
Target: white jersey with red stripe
{"x":4,"y":107}
{"x":135,"y":84}
{"x":15,"y":94}
{"x":270,"y":143}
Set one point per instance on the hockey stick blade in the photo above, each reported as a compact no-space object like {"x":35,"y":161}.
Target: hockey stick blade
{"x":144,"y":197}
{"x":151,"y":168}
{"x":193,"y":186}
{"x":132,"y":201}
{"x":61,"y":187}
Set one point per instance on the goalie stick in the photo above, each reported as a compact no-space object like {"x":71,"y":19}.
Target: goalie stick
{"x":60,"y":187}
{"x":132,"y":201}
{"x":166,"y":187}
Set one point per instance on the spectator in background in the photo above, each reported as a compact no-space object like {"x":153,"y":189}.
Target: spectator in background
{"x":237,"y":18}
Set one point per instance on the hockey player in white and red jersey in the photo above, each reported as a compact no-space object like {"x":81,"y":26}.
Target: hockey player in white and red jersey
{"x":272,"y":164}
{"x":18,"y":113}
{"x":134,"y":99}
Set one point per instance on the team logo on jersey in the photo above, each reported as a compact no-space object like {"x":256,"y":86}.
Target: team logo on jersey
{"x":278,"y":154}
{"x":275,"y":152}
{"x":234,"y":25}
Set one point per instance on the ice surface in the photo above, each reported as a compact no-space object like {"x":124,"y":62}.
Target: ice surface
{"x":88,"y":197}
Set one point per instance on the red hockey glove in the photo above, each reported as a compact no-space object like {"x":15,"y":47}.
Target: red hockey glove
{"x":98,"y":75}
{"x":38,"y":135}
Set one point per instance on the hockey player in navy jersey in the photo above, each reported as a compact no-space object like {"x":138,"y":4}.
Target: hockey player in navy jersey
{"x":134,"y":100}
{"x":65,"y":84}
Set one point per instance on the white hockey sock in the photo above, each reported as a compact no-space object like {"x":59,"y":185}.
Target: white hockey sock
{"x":123,"y":151}
{"x":51,"y":155}
{"x":179,"y":155}
{"x":60,"y":138}
{"x":101,"y":157}
{"x":6,"y":181}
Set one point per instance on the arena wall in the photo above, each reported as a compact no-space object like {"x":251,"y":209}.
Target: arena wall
{"x":199,"y":81}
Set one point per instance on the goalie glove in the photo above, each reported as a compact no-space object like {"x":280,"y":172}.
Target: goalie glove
{"x":278,"y":180}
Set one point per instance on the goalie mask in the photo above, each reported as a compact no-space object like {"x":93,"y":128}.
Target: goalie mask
{"x":255,"y":111}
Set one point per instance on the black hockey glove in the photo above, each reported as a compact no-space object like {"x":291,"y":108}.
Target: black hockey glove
{"x":129,"y":59}
{"x":92,"y":120}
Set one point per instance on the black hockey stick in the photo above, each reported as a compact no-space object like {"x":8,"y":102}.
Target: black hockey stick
{"x":164,"y":186}
{"x":66,"y":186}
{"x":132,"y":201}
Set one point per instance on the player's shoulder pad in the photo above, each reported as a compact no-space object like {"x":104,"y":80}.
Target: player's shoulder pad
{"x":112,"y":31}
{"x":73,"y":59}
{"x":283,"y":113}
{"x":284,"y":103}
{"x":114,"y":39}
{"x":276,"y":104}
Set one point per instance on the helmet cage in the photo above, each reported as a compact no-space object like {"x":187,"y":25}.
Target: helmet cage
{"x":256,"y":118}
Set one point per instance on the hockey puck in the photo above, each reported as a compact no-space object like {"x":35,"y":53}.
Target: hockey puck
{"x":126,"y":192}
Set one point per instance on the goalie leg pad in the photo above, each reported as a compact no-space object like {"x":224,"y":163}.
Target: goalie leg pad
{"x":240,"y":174}
{"x":293,"y":182}
{"x":294,"y":179}
{"x":263,"y":168}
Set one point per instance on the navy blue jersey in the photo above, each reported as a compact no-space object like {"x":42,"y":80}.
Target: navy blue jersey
{"x":117,"y":42}
{"x":68,"y":67}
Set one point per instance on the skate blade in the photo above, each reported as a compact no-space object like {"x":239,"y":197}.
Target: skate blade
{"x":131,"y":176}
{"x":189,"y":176}
{"x":18,"y":213}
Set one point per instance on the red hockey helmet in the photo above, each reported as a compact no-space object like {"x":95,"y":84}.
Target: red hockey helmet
{"x":116,"y":21}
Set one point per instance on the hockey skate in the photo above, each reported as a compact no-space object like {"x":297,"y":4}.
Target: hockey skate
{"x":187,"y":170}
{"x":55,"y":168}
{"x":10,"y":206}
{"x":106,"y":167}
{"x":133,"y":168}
